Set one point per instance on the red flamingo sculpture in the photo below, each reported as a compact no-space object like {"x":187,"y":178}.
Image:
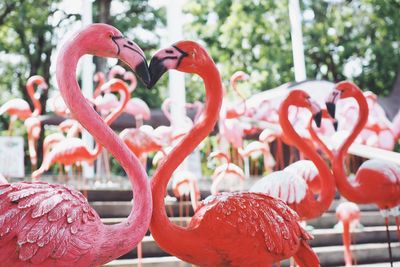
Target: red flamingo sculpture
{"x":19,"y":108}
{"x":347,"y":213}
{"x":223,"y":230}
{"x":376,"y":181}
{"x":53,"y":225}
{"x":288,"y":184}
{"x":72,"y":150}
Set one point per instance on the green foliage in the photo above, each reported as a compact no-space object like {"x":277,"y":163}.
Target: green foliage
{"x":254,"y":36}
{"x":138,"y":21}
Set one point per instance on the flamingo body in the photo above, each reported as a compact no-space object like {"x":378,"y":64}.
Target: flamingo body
{"x":261,"y":223}
{"x":380,"y":181}
{"x":16,"y":107}
{"x":46,"y":225}
{"x":139,"y":141}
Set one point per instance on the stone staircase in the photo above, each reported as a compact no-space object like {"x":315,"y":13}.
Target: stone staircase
{"x":369,"y":248}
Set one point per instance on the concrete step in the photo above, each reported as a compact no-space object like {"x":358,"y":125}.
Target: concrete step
{"x":123,"y":208}
{"x":322,"y":238}
{"x":331,"y":256}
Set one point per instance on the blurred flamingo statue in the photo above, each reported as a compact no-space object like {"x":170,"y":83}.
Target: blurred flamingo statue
{"x":185,"y":186}
{"x":227,"y":175}
{"x":222,"y":231}
{"x":347,"y":213}
{"x":288,"y":184}
{"x":53,"y":225}
{"x":376,"y":181}
{"x":18,"y":108}
{"x":72,"y":150}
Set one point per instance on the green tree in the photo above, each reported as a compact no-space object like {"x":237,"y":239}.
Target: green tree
{"x":254,"y":36}
{"x":138,"y":20}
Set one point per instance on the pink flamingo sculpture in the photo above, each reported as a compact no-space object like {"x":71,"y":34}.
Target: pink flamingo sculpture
{"x":185,"y":186}
{"x":228,"y":173}
{"x":254,"y":150}
{"x":72,"y":150}
{"x":19,"y":108}
{"x":3,"y":179}
{"x":53,"y":225}
{"x":376,"y":181}
{"x":116,"y":70}
{"x":347,"y":213}
{"x":288,"y":185}
{"x":232,"y":112}
{"x":140,"y":142}
{"x":100,"y":79}
{"x":33,"y":128}
{"x":222,"y":231}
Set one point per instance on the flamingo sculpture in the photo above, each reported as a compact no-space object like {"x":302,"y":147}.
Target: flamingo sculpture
{"x":376,"y":181}
{"x":19,"y":108}
{"x":53,"y":225}
{"x":347,"y":213}
{"x":3,"y":179}
{"x":72,"y":150}
{"x":228,"y":173}
{"x":223,"y":230}
{"x":288,"y":184}
{"x":233,"y":112}
{"x":185,"y":186}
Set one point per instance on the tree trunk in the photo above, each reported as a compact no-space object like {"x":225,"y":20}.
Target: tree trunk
{"x":104,"y":17}
{"x":391,"y":103}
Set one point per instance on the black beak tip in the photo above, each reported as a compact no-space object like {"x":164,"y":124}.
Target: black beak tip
{"x":335,"y":125}
{"x":331,"y":107}
{"x":156,"y":69}
{"x":142,"y":71}
{"x":317,"y":118}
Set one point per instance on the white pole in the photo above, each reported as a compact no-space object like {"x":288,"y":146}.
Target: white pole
{"x":87,"y":81}
{"x":297,"y":41}
{"x":176,"y":81}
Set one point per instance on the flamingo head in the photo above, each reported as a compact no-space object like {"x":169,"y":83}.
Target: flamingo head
{"x":342,"y":90}
{"x":300,"y":98}
{"x":185,"y":56}
{"x":114,"y":85}
{"x":111,"y":43}
{"x":99,"y":77}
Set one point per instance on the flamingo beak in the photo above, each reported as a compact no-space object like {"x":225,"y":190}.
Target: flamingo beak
{"x":318,"y":118}
{"x":142,"y":71}
{"x":331,"y":107}
{"x":336,"y":125}
{"x":156,"y":69}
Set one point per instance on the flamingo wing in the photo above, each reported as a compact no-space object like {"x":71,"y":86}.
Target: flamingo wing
{"x":254,"y":215}
{"x":45,"y":221}
{"x":287,"y":186}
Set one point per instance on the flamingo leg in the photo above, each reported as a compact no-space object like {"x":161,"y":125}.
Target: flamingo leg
{"x":10,"y":126}
{"x":398,"y":227}
{"x":388,"y":240}
{"x":139,"y":254}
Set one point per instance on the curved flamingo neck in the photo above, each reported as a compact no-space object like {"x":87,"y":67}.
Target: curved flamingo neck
{"x":162,"y":229}
{"x":348,"y":190}
{"x":165,"y":109}
{"x":120,"y":238}
{"x":327,"y":182}
{"x":100,"y":82}
{"x":321,"y":143}
{"x":124,"y":93}
{"x":37,"y":107}
{"x":233,"y":83}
